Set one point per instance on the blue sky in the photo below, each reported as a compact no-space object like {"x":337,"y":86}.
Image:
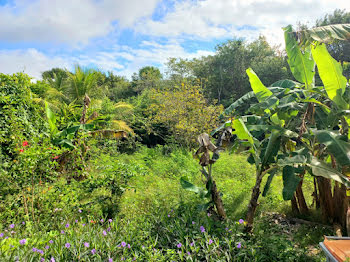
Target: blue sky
{"x":123,"y":36}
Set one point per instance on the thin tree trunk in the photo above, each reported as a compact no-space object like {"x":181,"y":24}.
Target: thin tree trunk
{"x":316,"y":195}
{"x":348,"y":221}
{"x":253,"y":202}
{"x":218,"y":202}
{"x":295,"y":208}
{"x":301,"y":199}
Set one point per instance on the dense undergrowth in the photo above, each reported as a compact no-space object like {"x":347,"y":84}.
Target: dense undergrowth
{"x":151,"y":218}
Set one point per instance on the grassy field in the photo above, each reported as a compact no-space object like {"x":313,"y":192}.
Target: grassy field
{"x":155,"y":219}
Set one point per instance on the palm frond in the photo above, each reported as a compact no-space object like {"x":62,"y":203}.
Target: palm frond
{"x":121,"y":125}
{"x":123,"y":105}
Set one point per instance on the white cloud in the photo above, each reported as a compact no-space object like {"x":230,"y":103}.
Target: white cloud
{"x":155,"y":54}
{"x":77,"y":22}
{"x":222,"y":18}
{"x":29,"y":61}
{"x":68,"y":21}
{"x":34,"y":62}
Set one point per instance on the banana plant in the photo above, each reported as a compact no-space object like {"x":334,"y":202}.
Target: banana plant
{"x":293,"y":127}
{"x":211,"y":193}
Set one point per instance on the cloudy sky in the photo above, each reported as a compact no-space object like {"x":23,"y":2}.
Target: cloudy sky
{"x":125,"y":35}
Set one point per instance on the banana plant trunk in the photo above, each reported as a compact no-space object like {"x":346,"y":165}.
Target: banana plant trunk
{"x":303,"y":208}
{"x":253,"y":202}
{"x":215,"y":194}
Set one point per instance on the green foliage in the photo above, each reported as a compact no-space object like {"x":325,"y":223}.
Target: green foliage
{"x":331,"y":74}
{"x":185,"y":112}
{"x":20,"y":118}
{"x":324,"y":34}
{"x":260,"y":91}
{"x":301,"y":63}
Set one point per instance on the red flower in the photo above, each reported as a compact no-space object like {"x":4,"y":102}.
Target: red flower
{"x":25,"y":143}
{"x":21,"y":150}
{"x":56,"y":157}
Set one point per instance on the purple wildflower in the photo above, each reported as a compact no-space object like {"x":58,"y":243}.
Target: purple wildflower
{"x":34,"y":249}
{"x":122,"y":258}
{"x":193,"y":222}
{"x":210,"y":241}
{"x":80,"y":211}
{"x":202,"y":229}
{"x":42,"y":259}
{"x":6,"y":237}
{"x":101,"y":220}
{"x":47,"y":247}
{"x":62,"y":232}
{"x":192,"y":244}
{"x":76,"y":221}
{"x":67,"y":245}
{"x":188,"y":253}
{"x":241,"y":221}
{"x":104,"y":233}
{"x":123,"y":244}
{"x":239,"y":245}
{"x":83,"y":225}
{"x":110,"y":260}
{"x":93,"y":251}
{"x":208,"y":214}
{"x":23,"y":223}
{"x":1,"y":234}
{"x":40,"y":251}
{"x":67,"y":225}
{"x":12,"y":225}
{"x":23,"y":241}
{"x":51,"y":241}
{"x":52,"y":260}
{"x":129,"y":246}
{"x":179,"y":245}
{"x":110,"y":220}
{"x":168,"y":215}
{"x":86,"y":244}
{"x":109,"y":229}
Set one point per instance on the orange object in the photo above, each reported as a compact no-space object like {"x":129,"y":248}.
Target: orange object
{"x":340,"y":249}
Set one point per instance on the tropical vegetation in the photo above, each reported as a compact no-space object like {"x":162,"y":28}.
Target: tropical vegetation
{"x":239,"y":156}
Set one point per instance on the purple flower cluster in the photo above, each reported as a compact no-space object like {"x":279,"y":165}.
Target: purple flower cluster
{"x":23,"y":241}
{"x":38,"y":250}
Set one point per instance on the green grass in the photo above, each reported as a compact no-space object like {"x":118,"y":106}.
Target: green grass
{"x":155,"y":214}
